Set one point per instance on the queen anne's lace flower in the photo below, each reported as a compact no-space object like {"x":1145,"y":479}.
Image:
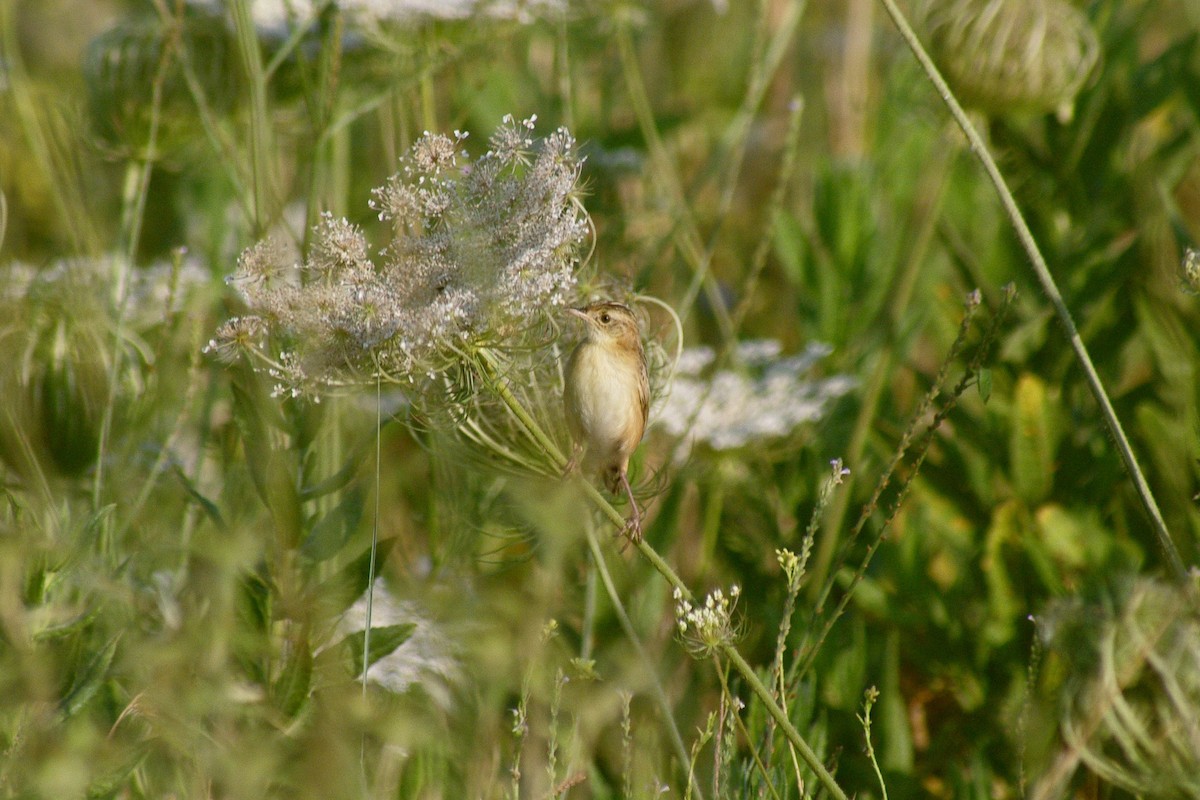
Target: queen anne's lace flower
{"x":277,"y":17}
{"x":482,"y":252}
{"x":705,"y":628}
{"x":727,"y":409}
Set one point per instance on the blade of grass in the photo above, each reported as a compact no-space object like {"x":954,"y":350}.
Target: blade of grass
{"x":53,"y":161}
{"x":264,"y":185}
{"x":133,"y":213}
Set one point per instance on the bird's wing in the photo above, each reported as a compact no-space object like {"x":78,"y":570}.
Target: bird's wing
{"x":644,"y":390}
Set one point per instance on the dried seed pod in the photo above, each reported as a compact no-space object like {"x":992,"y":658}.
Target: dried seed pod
{"x":1129,"y":699}
{"x":58,"y":331}
{"x":120,"y":69}
{"x":1011,"y":55}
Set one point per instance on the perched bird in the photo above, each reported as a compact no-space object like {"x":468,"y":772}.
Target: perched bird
{"x":607,"y":397}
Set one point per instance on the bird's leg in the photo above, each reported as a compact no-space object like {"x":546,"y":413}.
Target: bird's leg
{"x":633,"y":528}
{"x":573,"y":461}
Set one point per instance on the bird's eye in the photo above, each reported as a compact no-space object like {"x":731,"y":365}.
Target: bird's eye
{"x":605,"y":318}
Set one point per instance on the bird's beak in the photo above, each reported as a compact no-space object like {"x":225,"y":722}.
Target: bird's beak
{"x":579,"y":313}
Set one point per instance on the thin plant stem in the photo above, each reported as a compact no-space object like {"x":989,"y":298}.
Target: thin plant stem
{"x":374,"y":538}
{"x":815,"y":642}
{"x":924,"y":221}
{"x":733,"y":147}
{"x":690,"y":243}
{"x":762,"y":250}
{"x":865,"y":719}
{"x":166,"y":454}
{"x":367,"y":621}
{"x":627,"y":626}
{"x":137,"y":187}
{"x":29,"y":115}
{"x":789,"y":730}
{"x":927,"y":403}
{"x":588,"y":627}
{"x":1048,"y":286}
{"x":227,"y":150}
{"x":263,"y":183}
{"x":741,"y":726}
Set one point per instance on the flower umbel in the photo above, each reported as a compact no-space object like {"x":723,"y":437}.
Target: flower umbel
{"x":770,"y":398}
{"x":704,"y":629}
{"x":482,"y":254}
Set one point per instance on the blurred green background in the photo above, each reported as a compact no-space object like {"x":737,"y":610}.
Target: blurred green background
{"x":178,"y":549}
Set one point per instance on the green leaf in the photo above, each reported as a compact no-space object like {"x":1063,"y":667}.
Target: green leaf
{"x":789,"y":248}
{"x":984,"y":384}
{"x":1024,"y":340}
{"x":89,"y":679}
{"x":1033,"y":440}
{"x":338,"y":480}
{"x":1073,"y":539}
{"x":99,"y":523}
{"x":209,"y":508}
{"x":332,"y":531}
{"x":254,"y":603}
{"x":384,"y":641}
{"x":253,"y":610}
{"x":111,"y":783}
{"x":270,"y":470}
{"x":1161,"y":78}
{"x":1004,"y":605}
{"x":895,"y":730}
{"x":846,"y":677}
{"x":292,"y":687}
{"x":351,"y":581}
{"x":62,"y":630}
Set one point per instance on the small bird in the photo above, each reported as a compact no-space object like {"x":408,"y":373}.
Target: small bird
{"x":607,"y":397}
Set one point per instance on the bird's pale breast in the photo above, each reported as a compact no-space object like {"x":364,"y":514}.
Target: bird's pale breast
{"x":603,"y":392}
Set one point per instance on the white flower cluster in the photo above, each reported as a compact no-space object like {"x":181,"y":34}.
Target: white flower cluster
{"x":482,"y":253}
{"x":276,"y":17}
{"x":426,"y":659}
{"x":704,"y":629}
{"x":791,"y":565}
{"x":727,"y":409}
{"x":149,"y":294}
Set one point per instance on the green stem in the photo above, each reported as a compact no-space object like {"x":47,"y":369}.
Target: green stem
{"x":627,"y":625}
{"x":261,"y":145}
{"x":531,"y":426}
{"x":1049,"y":287}
{"x":133,"y":212}
{"x":789,"y":730}
{"x":29,"y":117}
{"x":690,"y":242}
{"x":741,"y":726}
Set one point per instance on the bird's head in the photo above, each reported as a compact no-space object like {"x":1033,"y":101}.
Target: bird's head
{"x":609,"y":323}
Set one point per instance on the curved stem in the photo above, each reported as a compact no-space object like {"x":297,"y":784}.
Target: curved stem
{"x":500,"y":385}
{"x":1049,"y":288}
